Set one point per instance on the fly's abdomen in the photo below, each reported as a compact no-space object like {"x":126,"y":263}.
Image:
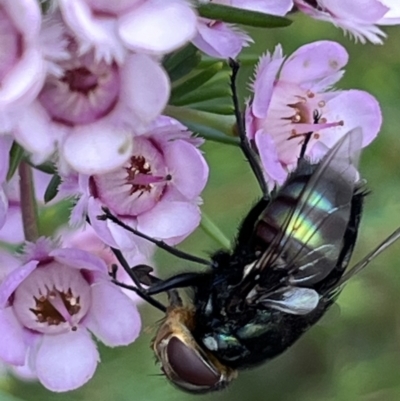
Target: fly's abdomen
{"x":305,"y":224}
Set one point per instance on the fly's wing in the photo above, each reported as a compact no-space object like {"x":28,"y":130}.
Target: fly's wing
{"x":309,"y":237}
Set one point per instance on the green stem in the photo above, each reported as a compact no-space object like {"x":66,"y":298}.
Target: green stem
{"x":224,"y":124}
{"x":214,"y":232}
{"x":28,"y":203}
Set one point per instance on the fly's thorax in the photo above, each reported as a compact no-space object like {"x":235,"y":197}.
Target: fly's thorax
{"x":267,"y":334}
{"x":187,"y":364}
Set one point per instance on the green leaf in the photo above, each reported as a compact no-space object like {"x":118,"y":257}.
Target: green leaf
{"x":211,"y":134}
{"x":207,"y":92}
{"x":52,"y":188}
{"x":47,"y":167}
{"x":224,"y":107}
{"x":16,"y":155}
{"x":182,"y":62}
{"x":240,"y":16}
{"x":191,"y":84}
{"x":51,"y":218}
{"x":222,"y":124}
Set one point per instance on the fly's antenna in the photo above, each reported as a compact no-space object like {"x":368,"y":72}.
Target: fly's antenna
{"x":244,"y":142}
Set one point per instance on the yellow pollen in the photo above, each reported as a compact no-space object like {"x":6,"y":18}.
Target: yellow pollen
{"x":321,"y":103}
{"x":296,"y":118}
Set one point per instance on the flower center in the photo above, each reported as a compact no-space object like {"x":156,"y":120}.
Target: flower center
{"x":140,"y":177}
{"x":308,"y":116}
{"x":80,"y":80}
{"x":56,"y":307}
{"x":86,"y":92}
{"x":53,"y":299}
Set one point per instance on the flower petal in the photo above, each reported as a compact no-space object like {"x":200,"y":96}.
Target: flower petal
{"x":158,"y":26}
{"x":35,"y":132}
{"x":14,"y":279}
{"x":314,"y":61}
{"x":356,"y":109}
{"x":113,"y":318}
{"x":267,"y":71}
{"x":274,"y":172}
{"x":169,"y":219}
{"x":79,"y":259}
{"x":66,"y":361}
{"x":273,"y":7}
{"x":146,"y":87}
{"x":220,"y":40}
{"x":187,"y":167}
{"x":97,"y":148}
{"x":12,"y":346}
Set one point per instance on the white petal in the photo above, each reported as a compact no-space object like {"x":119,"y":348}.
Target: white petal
{"x":97,"y":148}
{"x":12,"y":347}
{"x":158,"y":26}
{"x":65,"y":362}
{"x":113,"y":318}
{"x":146,"y":87}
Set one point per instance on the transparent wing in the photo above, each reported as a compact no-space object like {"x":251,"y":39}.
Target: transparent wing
{"x":309,"y":239}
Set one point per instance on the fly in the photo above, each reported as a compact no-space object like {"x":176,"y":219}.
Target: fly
{"x":286,"y":268}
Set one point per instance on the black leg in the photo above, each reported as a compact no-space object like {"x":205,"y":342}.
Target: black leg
{"x":138,"y":285}
{"x":178,"y":281}
{"x":244,"y":143}
{"x":142,"y":295}
{"x":161,"y":244}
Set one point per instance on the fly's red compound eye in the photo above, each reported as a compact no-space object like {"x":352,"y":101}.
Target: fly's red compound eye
{"x":189,"y":367}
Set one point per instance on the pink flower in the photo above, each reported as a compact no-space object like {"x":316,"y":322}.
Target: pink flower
{"x":85,"y":238}
{"x":89,"y":109}
{"x":218,"y":39}
{"x":157,"y":190}
{"x":146,"y":26}
{"x":357,"y":17}
{"x":222,"y":40}
{"x":291,"y":99}
{"x":22,"y":68}
{"x":48,"y":307}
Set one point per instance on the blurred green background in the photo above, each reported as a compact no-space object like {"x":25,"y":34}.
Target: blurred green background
{"x":354,"y":352}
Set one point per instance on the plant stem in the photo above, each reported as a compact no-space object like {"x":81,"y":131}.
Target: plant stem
{"x":28,"y":203}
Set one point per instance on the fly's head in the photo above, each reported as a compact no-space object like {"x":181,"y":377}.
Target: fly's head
{"x":185,"y":363}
